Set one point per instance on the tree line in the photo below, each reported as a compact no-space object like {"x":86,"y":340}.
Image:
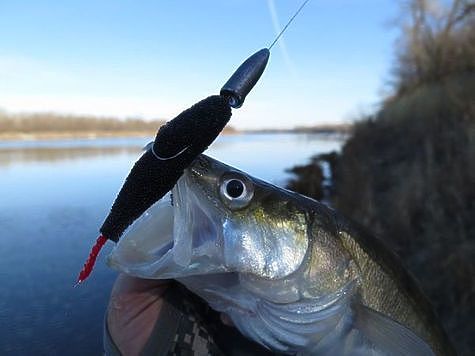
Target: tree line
{"x":51,"y":123}
{"x":437,"y":41}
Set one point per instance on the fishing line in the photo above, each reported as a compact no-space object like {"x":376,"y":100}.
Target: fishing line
{"x":205,"y":120}
{"x":288,"y":23}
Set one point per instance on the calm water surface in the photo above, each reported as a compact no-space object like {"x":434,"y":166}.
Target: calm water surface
{"x":53,"y":197}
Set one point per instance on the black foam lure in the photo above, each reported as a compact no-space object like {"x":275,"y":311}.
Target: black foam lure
{"x":176,"y":146}
{"x":159,"y":168}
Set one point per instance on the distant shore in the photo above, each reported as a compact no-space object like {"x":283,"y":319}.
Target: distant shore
{"x":325,"y":129}
{"x":52,"y":126}
{"x":51,"y":135}
{"x":39,"y":136}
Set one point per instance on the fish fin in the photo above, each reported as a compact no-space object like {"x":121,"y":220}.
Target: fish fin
{"x":388,"y":335}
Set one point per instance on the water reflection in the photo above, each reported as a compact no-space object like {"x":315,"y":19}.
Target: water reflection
{"x":53,"y":198}
{"x":10,"y":156}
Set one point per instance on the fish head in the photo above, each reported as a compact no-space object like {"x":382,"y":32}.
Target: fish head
{"x":217,"y":220}
{"x":277,"y":263}
{"x":248,"y":248}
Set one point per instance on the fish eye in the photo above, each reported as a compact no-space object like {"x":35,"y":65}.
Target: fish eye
{"x":236,"y":190}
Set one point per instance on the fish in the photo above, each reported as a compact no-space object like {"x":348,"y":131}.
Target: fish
{"x":291,"y":273}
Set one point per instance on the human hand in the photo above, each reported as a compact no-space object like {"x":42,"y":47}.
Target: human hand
{"x":134,"y":308}
{"x":149,"y":316}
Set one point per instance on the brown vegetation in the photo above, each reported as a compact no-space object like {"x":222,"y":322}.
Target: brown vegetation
{"x":436,"y":42}
{"x":51,"y":125}
{"x":50,"y":122}
{"x":307,"y":173}
{"x":408,"y":172}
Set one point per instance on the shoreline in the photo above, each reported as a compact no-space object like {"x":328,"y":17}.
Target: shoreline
{"x":45,"y":136}
{"x":24,"y":136}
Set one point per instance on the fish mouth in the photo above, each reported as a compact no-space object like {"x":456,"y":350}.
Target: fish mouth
{"x":178,"y":236}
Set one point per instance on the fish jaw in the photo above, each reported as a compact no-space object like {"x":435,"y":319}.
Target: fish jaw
{"x":205,"y":232}
{"x":175,"y":237}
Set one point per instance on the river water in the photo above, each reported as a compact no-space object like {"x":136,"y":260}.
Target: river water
{"x":53,"y":197}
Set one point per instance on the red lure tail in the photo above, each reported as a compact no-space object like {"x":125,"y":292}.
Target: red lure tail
{"x":91,"y":260}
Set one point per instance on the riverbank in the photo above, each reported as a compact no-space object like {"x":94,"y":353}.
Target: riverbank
{"x":54,"y":126}
{"x":407,"y":172}
{"x":41,"y":136}
{"x":52,"y":135}
{"x":335,"y":130}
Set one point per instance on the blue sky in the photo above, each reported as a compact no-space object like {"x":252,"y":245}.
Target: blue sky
{"x":155,"y":58}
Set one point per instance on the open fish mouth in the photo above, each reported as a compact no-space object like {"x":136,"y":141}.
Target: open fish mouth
{"x":218,"y":220}
{"x":178,"y":236}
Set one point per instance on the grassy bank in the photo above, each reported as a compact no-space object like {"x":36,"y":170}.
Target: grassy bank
{"x":408,"y":175}
{"x":408,"y":171}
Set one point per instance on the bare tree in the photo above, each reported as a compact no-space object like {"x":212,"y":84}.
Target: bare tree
{"x":437,"y":40}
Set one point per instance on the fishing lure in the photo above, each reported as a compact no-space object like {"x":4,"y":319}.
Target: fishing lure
{"x":175,"y":147}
